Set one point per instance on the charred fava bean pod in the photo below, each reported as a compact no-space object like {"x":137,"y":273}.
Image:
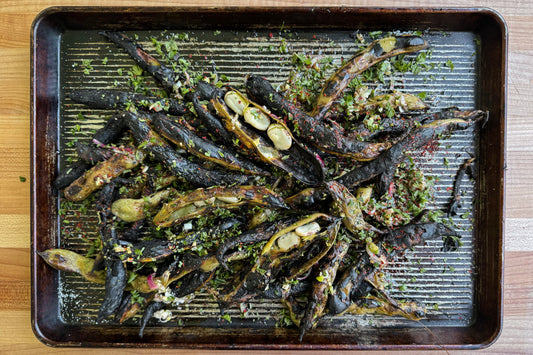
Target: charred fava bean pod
{"x":409,"y":235}
{"x":203,"y":201}
{"x":149,"y":141}
{"x":306,"y":228}
{"x":384,"y":166}
{"x":311,"y":249}
{"x":376,"y":52}
{"x":91,"y":153}
{"x":121,"y":100}
{"x":350,"y":207}
{"x":308,"y":198}
{"x":259,"y":233}
{"x":216,"y":128}
{"x":454,"y":203}
{"x":280,"y":248}
{"x":131,"y":210}
{"x":111,"y":132}
{"x":322,"y":284}
{"x":380,"y":305}
{"x":102,"y":173}
{"x":115,"y":282}
{"x":187,"y":139}
{"x":69,"y":261}
{"x":157,"y":249}
{"x":349,"y":284}
{"x":165,"y":75}
{"x":326,"y":135}
{"x":293,"y":157}
{"x":398,"y":100}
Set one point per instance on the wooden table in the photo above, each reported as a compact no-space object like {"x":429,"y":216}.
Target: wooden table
{"x":15,"y":20}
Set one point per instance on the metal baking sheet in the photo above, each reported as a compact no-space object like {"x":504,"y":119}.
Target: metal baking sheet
{"x":447,"y":283}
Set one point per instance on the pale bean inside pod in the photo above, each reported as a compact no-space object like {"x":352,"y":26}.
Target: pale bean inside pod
{"x":268,"y":152}
{"x":182,"y":212}
{"x":258,"y":217}
{"x":387,"y":43}
{"x":228,"y":199}
{"x":279,"y":136}
{"x":287,"y":241}
{"x":204,"y":203}
{"x":308,"y":229}
{"x":256,"y":118}
{"x":364,"y":194}
{"x":236,"y":102}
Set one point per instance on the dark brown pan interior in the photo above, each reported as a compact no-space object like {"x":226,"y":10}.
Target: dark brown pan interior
{"x":466,"y":285}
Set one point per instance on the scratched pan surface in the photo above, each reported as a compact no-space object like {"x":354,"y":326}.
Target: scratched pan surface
{"x":461,"y":289}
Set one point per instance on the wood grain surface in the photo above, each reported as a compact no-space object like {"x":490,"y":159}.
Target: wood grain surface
{"x":16,"y":17}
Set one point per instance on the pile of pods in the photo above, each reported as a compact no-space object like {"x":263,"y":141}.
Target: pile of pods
{"x":234,"y":197}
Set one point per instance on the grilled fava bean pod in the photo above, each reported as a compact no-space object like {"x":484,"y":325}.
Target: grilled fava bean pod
{"x":111,"y":132}
{"x":176,"y":163}
{"x":269,"y":138}
{"x":282,"y":247}
{"x":465,"y":168}
{"x":376,"y":52}
{"x":326,"y":135}
{"x":157,"y":249}
{"x":385,"y":165}
{"x":131,"y":210}
{"x":185,"y":138}
{"x":324,"y":277}
{"x":262,"y":232}
{"x":350,"y":207}
{"x":404,"y":237}
{"x":122,"y":100}
{"x":216,"y":128}
{"x":202,"y":201}
{"x":163,"y":74}
{"x":103,"y":172}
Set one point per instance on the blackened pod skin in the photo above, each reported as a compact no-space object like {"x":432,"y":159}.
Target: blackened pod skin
{"x":121,"y":100}
{"x":165,"y":75}
{"x":208,"y":91}
{"x":191,"y":282}
{"x":111,"y":132}
{"x":148,"y":313}
{"x":213,"y":123}
{"x":157,"y":249}
{"x":454,"y":203}
{"x":348,"y":284}
{"x":298,"y":161}
{"x":92,"y":154}
{"x":322,"y":282}
{"x":116,"y":280}
{"x":376,"y":52}
{"x":68,"y":175}
{"x":385,"y":165}
{"x":326,"y":135}
{"x":204,"y":149}
{"x":309,"y":198}
{"x":176,"y":163}
{"x":261,"y":233}
{"x":407,"y":236}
